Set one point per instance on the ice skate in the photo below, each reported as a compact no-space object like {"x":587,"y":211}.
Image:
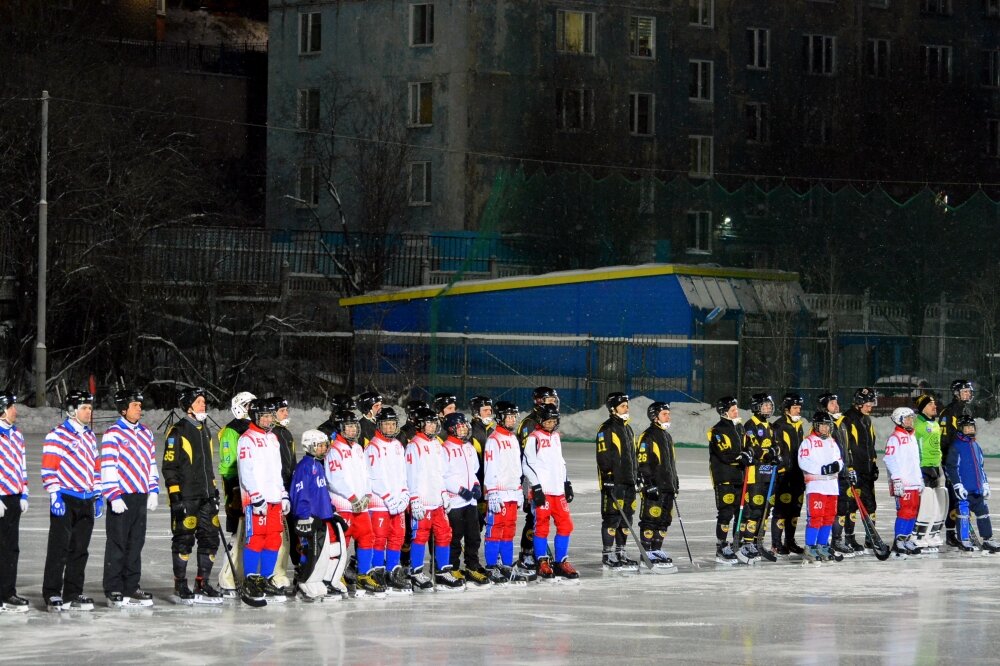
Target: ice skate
{"x":823,"y":553}
{"x":899,"y":549}
{"x":662,"y":562}
{"x":545,"y":571}
{"x":911,"y":548}
{"x":399,"y":582}
{"x":447,"y":580}
{"x":182,"y":593}
{"x":205,"y":594}
{"x":116,"y":600}
{"x":139,"y":599}
{"x":794,"y":548}
{"x":724,"y":554}
{"x":14,"y":604}
{"x":476,"y":578}
{"x":840,"y":546}
{"x":55,"y":605}
{"x":780,"y":551}
{"x":496,"y":575}
{"x":628,"y":565}
{"x":370,"y":584}
{"x":81,"y":603}
{"x":853,"y":544}
{"x":610,"y":562}
{"x":965,"y":546}
{"x":990,"y":546}
{"x":517,"y":576}
{"x":566,"y":572}
{"x":420,"y":581}
{"x":228,"y":592}
{"x":811,"y":555}
{"x":747,"y":554}
{"x":253,"y":588}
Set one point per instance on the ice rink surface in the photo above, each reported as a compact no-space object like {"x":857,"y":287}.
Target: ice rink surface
{"x":935,"y":609}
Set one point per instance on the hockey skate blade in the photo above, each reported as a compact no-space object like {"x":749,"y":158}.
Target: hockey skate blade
{"x":663,"y":569}
{"x":725,"y":562}
{"x":398,"y":594}
{"x":448,"y":590}
{"x":14,"y":610}
{"x":200,"y":600}
{"x":174,"y":599}
{"x":566,"y":581}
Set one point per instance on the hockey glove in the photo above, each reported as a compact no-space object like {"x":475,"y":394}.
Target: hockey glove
{"x":286,"y":506}
{"x":357,"y":504}
{"x":960,"y":491}
{"x":537,"y":496}
{"x":259,"y":507}
{"x":773,"y":455}
{"x":58,"y":505}
{"x":831,"y":468}
{"x":874,"y":471}
{"x":118,"y":505}
{"x":620,"y":491}
{"x":852,"y":476}
{"x":652,"y":493}
{"x":465,"y":494}
{"x":496,"y":504}
{"x":986,"y":491}
{"x":338,"y":522}
{"x":446,"y":501}
{"x":98,"y":507}
{"x":152,"y":501}
{"x":24,"y":504}
{"x":745,"y":459}
{"x":896,"y":486}
{"x":417,"y":509}
{"x":931,"y":474}
{"x":477,"y":492}
{"x":304,"y":527}
{"x":568,"y":490}
{"x":216,"y":499}
{"x":177,"y":510}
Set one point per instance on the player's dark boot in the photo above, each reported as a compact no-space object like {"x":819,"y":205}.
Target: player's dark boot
{"x":853,"y":544}
{"x":15,"y":604}
{"x":204,"y":593}
{"x":115,"y":600}
{"x":724,"y":553}
{"x":370,"y":584}
{"x":399,"y":582}
{"x":610,"y":561}
{"x":627,"y":562}
{"x":253,"y":587}
{"x":55,"y":604}
{"x":81,"y":603}
{"x":477,"y":577}
{"x":420,"y":580}
{"x":182,"y":591}
{"x":991,"y":546}
{"x":565,"y":570}
{"x":497,"y":576}
{"x":952,"y":540}
{"x":140,"y":598}
{"x":447,"y":580}
{"x":545,"y":571}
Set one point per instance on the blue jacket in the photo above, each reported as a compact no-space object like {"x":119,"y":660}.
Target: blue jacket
{"x":309,"y":496}
{"x":965,"y":464}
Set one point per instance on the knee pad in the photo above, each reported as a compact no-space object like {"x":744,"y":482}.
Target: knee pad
{"x":184,"y":544}
{"x":841,"y":520}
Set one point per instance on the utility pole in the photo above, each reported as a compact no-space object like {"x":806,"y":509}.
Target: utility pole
{"x":43,"y":243}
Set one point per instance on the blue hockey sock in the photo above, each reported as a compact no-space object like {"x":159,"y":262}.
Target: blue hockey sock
{"x":491,"y":552}
{"x":823,"y":538}
{"x":365,"y":560}
{"x":417,"y":551}
{"x":984,"y":526}
{"x":910,"y":524}
{"x":900,"y":527}
{"x":541,"y":547}
{"x":268,"y":559}
{"x":378,"y":558}
{"x":391,"y":559}
{"x":562,"y":547}
{"x":251,"y":561}
{"x":442,"y":556}
{"x":507,"y":553}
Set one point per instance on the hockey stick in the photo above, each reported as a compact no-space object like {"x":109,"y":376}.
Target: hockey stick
{"x":762,"y":528}
{"x":882,"y":551}
{"x":743,"y":494}
{"x":680,"y":521}
{"x":638,"y":544}
{"x":248,"y":600}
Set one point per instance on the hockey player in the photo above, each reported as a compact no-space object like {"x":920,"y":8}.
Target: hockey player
{"x":616,"y":468}
{"x":962,"y":391}
{"x":130,"y":482}
{"x":789,"y":489}
{"x":429,"y":501}
{"x":370,"y":404}
{"x":340,"y":402}
{"x":964,"y":468}
{"x":542,"y":395}
{"x":71,"y":474}
{"x":445,"y":404}
{"x":728,"y":464}
{"x":862,"y":462}
{"x":229,"y":437}
{"x":349,"y":486}
{"x":902,"y":462}
{"x":483,"y":423}
{"x":658,"y":477}
{"x":189,"y":477}
{"x":265,"y":501}
{"x":551,"y":492}
{"x":462,"y":483}
{"x":286,"y":445}
{"x":389,"y":499}
{"x":820,"y":462}
{"x":758,"y":439}
{"x":846,"y":506}
{"x":502,"y":482}
{"x":934,"y":496}
{"x":409,"y":429}
{"x":13,"y":502}
{"x":321,"y":548}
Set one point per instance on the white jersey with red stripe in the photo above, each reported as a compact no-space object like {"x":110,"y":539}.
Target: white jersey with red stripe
{"x":128,"y":460}
{"x":13,"y":470}
{"x":69,"y":460}
{"x":502,"y":465}
{"x":386,"y":470}
{"x":346,"y":473}
{"x":258,"y":461}
{"x":902,"y":459}
{"x":543,"y":462}
{"x":461,"y":467}
{"x":814,"y":453}
{"x":425,"y":470}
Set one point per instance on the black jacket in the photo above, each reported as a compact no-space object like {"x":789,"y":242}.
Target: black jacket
{"x":480,"y":432}
{"x":657,"y":464}
{"x":725,"y":443}
{"x":287,"y":441}
{"x":616,"y":461}
{"x":188,"y":467}
{"x":948,"y":420}
{"x":861,"y":443}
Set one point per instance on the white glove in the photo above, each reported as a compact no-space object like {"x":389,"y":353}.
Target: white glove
{"x":286,"y":506}
{"x":118,"y":506}
{"x":395,"y":505}
{"x":493,"y":499}
{"x":259,"y":507}
{"x":359,"y":504}
{"x":960,"y":491}
{"x":3,"y":509}
{"x":897,"y":487}
{"x":417,"y":508}
{"x":24,"y":504}
{"x":446,"y":501}
{"x":986,"y":491}
{"x":152,"y":501}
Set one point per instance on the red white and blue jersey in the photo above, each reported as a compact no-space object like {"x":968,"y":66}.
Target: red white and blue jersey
{"x":543,"y":462}
{"x":346,"y":473}
{"x":69,"y":460}
{"x":425,"y":470}
{"x":902,"y":459}
{"x":13,"y":472}
{"x":128,"y":461}
{"x":258,"y":463}
{"x":815,"y":452}
{"x":502,"y":458}
{"x":386,"y":471}
{"x":310,"y":497}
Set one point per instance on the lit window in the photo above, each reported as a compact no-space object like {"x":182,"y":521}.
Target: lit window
{"x":642,"y":36}
{"x":575,"y":32}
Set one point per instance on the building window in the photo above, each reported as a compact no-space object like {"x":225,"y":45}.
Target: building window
{"x":575,"y":32}
{"x":992,"y":7}
{"x":574,"y":109}
{"x":307,"y":186}
{"x":310,"y":32}
{"x":819,"y":54}
{"x":993,"y":149}
{"x":937,"y":63}
{"x":422,"y":25}
{"x":420,"y":183}
{"x":702,"y":13}
{"x":699,"y":236}
{"x":308,"y":109}
{"x":161,"y":7}
{"x":756,"y":122}
{"x":758,"y":48}
{"x":421,"y":104}
{"x":991,"y":68}
{"x":818,"y":127}
{"x":640,"y":113}
{"x":701,"y":156}
{"x":940,"y":7}
{"x":877,"y":58}
{"x":642,"y":36}
{"x":700,"y":86}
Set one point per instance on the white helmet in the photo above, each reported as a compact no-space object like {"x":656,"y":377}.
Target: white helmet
{"x":900,"y":414}
{"x":313,"y":438}
{"x":240,"y":403}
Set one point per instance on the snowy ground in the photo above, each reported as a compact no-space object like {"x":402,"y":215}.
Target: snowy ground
{"x":939,"y":610}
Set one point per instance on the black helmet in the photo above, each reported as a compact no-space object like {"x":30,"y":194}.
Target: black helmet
{"x":76,"y":398}
{"x":414,"y":406}
{"x":789,"y":400}
{"x":547,"y":413}
{"x":125,"y":397}
{"x":822,"y":417}
{"x":757,"y":402}
{"x":478,"y":402}
{"x":346,"y":417}
{"x":442,"y":400}
{"x":965,"y":420}
{"x":453,"y":421}
{"x":260,"y":407}
{"x":278,"y":402}
{"x":387,"y":415}
{"x":959,"y":384}
{"x":825,"y":398}
{"x":187,"y":395}
{"x":421,"y":417}
{"x":615,"y":399}
{"x":865,"y":395}
{"x":367,"y":400}
{"x":723,"y":404}
{"x":654,"y":409}
{"x":542,"y":392}
{"x":6,"y":400}
{"x":503,"y":409}
{"x":340,"y":402}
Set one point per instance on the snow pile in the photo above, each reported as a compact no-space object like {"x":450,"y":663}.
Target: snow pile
{"x":200,"y":27}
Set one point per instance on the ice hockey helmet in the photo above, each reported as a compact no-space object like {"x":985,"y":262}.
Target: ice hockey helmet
{"x":757,"y":402}
{"x":259,"y":408}
{"x":442,"y":400}
{"x":311,"y":439}
{"x":542,"y":392}
{"x":238,"y":405}
{"x":900,"y":414}
{"x":654,"y":409}
{"x":723,"y":404}
{"x":74,"y":399}
{"x":790,"y":399}
{"x":125,"y":397}
{"x":368,"y":400}
{"x":478,"y":402}
{"x":453,"y":424}
{"x":614,"y":399}
{"x":821,"y":417}
{"x":864,"y":395}
{"x":187,"y":395}
{"x":503,"y":409}
{"x":548,"y":413}
{"x":959,"y":384}
{"x":341,"y":401}
{"x":826,"y":398}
